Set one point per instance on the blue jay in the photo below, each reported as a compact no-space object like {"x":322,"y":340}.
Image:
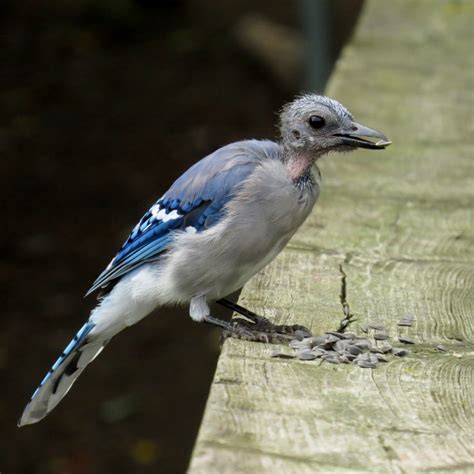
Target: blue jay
{"x":219,"y":224}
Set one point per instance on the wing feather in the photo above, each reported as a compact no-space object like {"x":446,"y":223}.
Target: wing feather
{"x":196,"y":199}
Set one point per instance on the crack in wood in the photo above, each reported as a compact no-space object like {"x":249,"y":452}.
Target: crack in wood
{"x":346,"y":310}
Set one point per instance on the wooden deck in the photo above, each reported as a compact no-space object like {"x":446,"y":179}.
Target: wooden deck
{"x":397,"y":229}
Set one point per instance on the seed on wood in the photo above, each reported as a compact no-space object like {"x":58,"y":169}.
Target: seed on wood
{"x":300,"y":334}
{"x":441,"y":348}
{"x":399,"y":352}
{"x":354,"y":350}
{"x":406,"y":340}
{"x":376,"y":350}
{"x":296,"y":344}
{"x":365,"y":364}
{"x":306,"y":332}
{"x":330,"y":339}
{"x":372,"y":358}
{"x":333,"y":359}
{"x":317,"y":340}
{"x":381,"y":358}
{"x":337,"y":334}
{"x":364,"y":328}
{"x":406,"y":320}
{"x":348,"y":335}
{"x":306,"y":355}
{"x":318,"y":352}
{"x":307,"y":342}
{"x":341,"y":346}
{"x":386,"y":348}
{"x":368,"y":357}
{"x":328,"y":343}
{"x":362,"y":343}
{"x":381,"y":336}
{"x":349,"y":356}
{"x":282,"y":355}
{"x":377,"y":326}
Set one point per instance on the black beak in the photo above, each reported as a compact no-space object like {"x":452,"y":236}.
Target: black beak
{"x":357,"y":134}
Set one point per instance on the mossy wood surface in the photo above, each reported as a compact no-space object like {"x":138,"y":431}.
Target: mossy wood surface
{"x":399,"y":224}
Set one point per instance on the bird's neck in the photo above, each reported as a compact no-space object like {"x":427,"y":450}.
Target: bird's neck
{"x":298,"y":163}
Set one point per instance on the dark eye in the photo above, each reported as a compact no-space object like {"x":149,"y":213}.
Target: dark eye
{"x":315,"y":121}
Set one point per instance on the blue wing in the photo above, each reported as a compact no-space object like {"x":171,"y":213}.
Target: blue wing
{"x":196,"y":200}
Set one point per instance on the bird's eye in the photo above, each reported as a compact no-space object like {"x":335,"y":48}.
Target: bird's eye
{"x":315,"y":121}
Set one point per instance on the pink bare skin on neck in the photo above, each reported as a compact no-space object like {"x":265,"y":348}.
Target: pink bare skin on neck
{"x":299,"y":163}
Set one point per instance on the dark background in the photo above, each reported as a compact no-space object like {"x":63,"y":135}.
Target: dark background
{"x":103,"y":104}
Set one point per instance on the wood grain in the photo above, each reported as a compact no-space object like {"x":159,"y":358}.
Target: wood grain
{"x":400,"y":225}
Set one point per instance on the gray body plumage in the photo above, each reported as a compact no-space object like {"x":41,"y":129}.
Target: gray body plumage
{"x":265,"y":212}
{"x":219,"y":224}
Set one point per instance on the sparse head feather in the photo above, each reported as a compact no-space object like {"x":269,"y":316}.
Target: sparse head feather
{"x":313,"y":125}
{"x":307,"y":103}
{"x":299,"y":123}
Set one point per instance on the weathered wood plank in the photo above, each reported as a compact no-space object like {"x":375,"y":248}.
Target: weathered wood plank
{"x":400,"y":225}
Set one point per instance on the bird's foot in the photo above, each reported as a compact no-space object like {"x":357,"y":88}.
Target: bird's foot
{"x":250,"y":332}
{"x":264,"y":331}
{"x":259,"y":328}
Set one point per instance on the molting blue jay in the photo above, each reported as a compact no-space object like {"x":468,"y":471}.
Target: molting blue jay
{"x":219,"y":224}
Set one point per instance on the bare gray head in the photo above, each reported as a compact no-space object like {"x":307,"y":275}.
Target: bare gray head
{"x":313,"y":125}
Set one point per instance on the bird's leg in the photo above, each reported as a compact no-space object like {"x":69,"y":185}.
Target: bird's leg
{"x":262,"y":324}
{"x":260,"y":321}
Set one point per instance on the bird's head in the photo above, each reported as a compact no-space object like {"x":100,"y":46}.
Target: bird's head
{"x":317,"y":124}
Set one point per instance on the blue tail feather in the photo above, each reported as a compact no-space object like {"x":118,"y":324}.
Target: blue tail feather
{"x":74,"y":344}
{"x":62,"y":375}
